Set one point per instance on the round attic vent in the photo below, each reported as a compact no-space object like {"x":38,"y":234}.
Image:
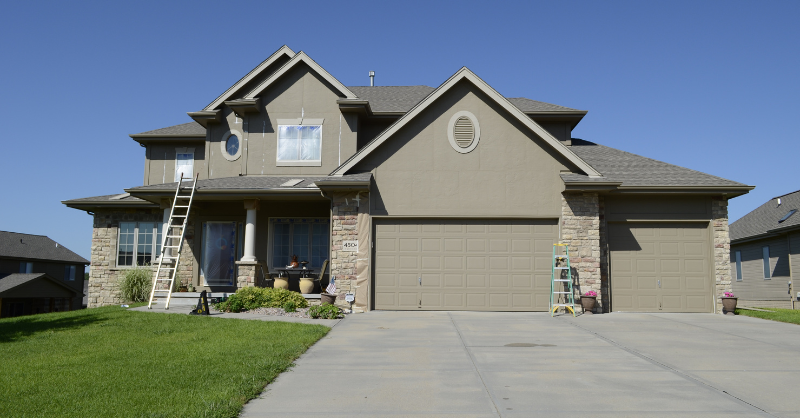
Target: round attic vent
{"x":464,"y":132}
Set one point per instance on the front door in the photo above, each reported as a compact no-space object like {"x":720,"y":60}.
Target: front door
{"x":219,"y":254}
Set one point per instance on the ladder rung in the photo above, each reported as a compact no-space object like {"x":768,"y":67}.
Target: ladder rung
{"x":172,"y":246}
{"x":560,"y":256}
{"x":183,"y":197}
{"x":563,"y":293}
{"x":562,"y":304}
{"x":173,"y":236}
{"x":562,"y":280}
{"x":181,"y":206}
{"x":167,"y":268}
{"x":179,"y":216}
{"x":561,"y":268}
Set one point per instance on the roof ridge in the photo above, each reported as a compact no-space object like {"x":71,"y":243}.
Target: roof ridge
{"x":23,"y":233}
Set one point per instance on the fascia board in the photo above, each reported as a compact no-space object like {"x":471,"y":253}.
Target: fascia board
{"x":302,"y":57}
{"x":170,"y":137}
{"x":252,"y":74}
{"x":465,"y":73}
{"x":709,"y":189}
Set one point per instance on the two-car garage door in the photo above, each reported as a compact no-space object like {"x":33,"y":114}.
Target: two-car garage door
{"x":661,"y":267}
{"x":457,"y":264}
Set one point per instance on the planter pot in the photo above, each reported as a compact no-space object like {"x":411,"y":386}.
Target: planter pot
{"x":281,"y":283}
{"x":183,"y":289}
{"x":327,"y":299}
{"x":729,"y":306}
{"x":588,"y":302}
{"x":306,"y":285}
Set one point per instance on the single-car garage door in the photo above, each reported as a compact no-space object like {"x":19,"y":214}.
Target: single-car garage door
{"x":660,"y":267}
{"x":457,"y":264}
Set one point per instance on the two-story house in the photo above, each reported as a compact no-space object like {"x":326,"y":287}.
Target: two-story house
{"x":421,"y":198}
{"x":38,"y":275}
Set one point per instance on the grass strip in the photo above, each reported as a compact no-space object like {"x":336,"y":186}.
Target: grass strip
{"x":113,"y":362}
{"x":774,"y":314}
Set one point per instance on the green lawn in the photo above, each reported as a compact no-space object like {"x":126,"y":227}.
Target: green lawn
{"x":114,"y":362}
{"x":782,"y":315}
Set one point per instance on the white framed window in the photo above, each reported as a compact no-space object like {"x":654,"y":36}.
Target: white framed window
{"x":765,"y":260}
{"x":299,"y":145}
{"x":138,"y":243}
{"x":738,"y":266}
{"x":69,"y":273}
{"x":25,"y":267}
{"x":231,"y":145}
{"x":307,"y":238}
{"x":184,"y":163}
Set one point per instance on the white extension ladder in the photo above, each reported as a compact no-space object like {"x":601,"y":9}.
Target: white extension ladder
{"x":172,"y":232}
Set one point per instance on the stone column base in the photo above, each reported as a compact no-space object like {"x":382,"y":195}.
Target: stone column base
{"x":249,"y":274}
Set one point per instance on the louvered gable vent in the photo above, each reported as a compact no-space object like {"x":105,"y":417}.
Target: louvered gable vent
{"x":464,"y":132}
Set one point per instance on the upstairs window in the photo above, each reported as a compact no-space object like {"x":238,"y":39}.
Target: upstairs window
{"x":25,"y":267}
{"x":69,"y":273}
{"x":184,"y":164}
{"x":299,"y":145}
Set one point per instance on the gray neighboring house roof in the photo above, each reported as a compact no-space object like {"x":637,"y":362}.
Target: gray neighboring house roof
{"x":184,"y":129}
{"x":17,"y":279}
{"x":633,"y":170}
{"x":764,"y":220}
{"x":38,"y":247}
{"x":258,"y":183}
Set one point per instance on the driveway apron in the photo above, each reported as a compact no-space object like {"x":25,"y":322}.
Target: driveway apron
{"x":476,"y":364}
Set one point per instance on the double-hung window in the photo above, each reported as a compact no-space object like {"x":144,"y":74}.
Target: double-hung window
{"x":307,"y":238}
{"x":139,"y":243}
{"x":765,"y":257}
{"x":184,"y":165}
{"x":738,"y":266}
{"x":299,"y":145}
{"x":69,"y":273}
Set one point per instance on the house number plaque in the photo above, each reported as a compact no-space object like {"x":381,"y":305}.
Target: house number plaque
{"x":350,"y":246}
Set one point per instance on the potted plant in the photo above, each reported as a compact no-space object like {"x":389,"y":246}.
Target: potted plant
{"x":190,"y":287}
{"x":588,"y":300}
{"x":729,"y":301}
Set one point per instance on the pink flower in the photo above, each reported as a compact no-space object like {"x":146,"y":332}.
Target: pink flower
{"x":590,"y":293}
{"x":729,"y":295}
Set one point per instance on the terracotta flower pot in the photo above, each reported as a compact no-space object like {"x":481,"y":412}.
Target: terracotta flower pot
{"x":306,"y":285}
{"x":588,"y":303}
{"x":729,"y":306}
{"x":281,"y":283}
{"x":327,"y":299}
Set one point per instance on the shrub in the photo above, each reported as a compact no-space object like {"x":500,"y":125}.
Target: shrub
{"x":261,"y":297}
{"x":290,"y":306}
{"x":135,"y":284}
{"x":325,"y":312}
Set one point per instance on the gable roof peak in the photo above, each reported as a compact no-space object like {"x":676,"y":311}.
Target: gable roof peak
{"x":296,"y":59}
{"x":462,"y":74}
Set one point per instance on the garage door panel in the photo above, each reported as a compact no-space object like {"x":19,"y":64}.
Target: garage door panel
{"x":464,"y":264}
{"x":677,"y":255}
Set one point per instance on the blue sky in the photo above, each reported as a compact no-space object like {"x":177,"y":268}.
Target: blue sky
{"x":709,"y":85}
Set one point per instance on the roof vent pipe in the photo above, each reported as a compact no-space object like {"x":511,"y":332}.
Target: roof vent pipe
{"x":779,"y":201}
{"x":371,"y":78}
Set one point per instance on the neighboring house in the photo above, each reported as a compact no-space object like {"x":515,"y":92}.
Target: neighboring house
{"x":422,"y":198}
{"x":765,"y":251}
{"x":38,"y":275}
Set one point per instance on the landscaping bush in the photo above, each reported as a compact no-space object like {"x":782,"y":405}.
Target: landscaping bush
{"x":325,"y":312}
{"x":290,"y":307}
{"x":260,"y":297}
{"x":135,"y":284}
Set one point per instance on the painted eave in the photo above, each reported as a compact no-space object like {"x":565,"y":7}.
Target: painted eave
{"x":205,"y":117}
{"x":284,"y":50}
{"x":465,"y":73}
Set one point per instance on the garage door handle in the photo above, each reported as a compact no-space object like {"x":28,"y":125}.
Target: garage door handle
{"x":420,"y":281}
{"x":659,"y":283}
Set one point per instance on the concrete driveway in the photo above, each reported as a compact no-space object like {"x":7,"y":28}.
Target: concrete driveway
{"x":471,"y":364}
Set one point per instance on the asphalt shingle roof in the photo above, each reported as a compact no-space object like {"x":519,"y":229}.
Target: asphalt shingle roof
{"x":124,"y":197}
{"x":16,"y":279}
{"x":255,"y":183}
{"x":764,"y":219}
{"x":403,"y":98}
{"x":39,"y":247}
{"x":634,"y":170}
{"x":191,"y":128}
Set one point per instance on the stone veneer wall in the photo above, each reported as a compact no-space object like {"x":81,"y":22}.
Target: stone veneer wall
{"x":722,"y":248}
{"x":580,"y":229}
{"x":103,"y":272}
{"x":344,"y":222}
{"x":251,"y":274}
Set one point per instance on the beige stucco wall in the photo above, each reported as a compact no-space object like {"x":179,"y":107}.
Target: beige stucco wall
{"x":511,"y":172}
{"x":299,"y":92}
{"x":160,"y":161}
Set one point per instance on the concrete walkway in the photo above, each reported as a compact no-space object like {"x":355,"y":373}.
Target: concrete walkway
{"x":470,"y":364}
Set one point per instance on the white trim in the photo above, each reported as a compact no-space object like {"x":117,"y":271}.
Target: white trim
{"x":183,"y":150}
{"x":475,"y":125}
{"x":284,"y":50}
{"x":301,"y":57}
{"x":465,"y":73}
{"x":223,"y":143}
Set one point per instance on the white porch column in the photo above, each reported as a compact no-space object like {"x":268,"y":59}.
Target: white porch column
{"x":250,"y":231}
